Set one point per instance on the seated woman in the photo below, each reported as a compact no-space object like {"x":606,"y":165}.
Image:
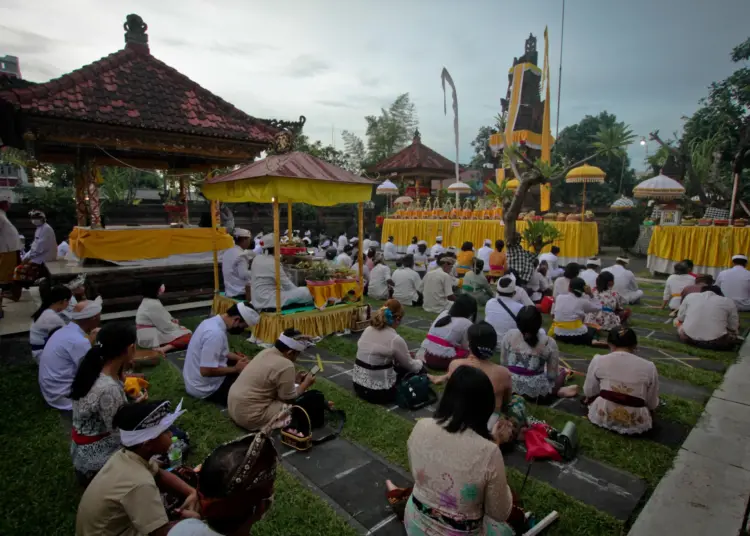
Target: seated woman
{"x":125,"y":496}
{"x":539,"y":284}
{"x":97,"y":393}
{"x":621,"y":388}
{"x":156,"y":327}
{"x":498,"y":261}
{"x":613,"y":312}
{"x":48,"y":319}
{"x":476,"y":285}
{"x":570,"y":310}
{"x":382,"y":356}
{"x":465,"y":494}
{"x":447,"y":338}
{"x":510,"y":409}
{"x":465,"y":259}
{"x":380,"y":284}
{"x":533,"y":359}
{"x":562,"y":283}
{"x":269,"y":383}
{"x":676,"y":283}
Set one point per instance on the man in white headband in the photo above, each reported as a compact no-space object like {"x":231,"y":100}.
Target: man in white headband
{"x":58,"y":362}
{"x":235,"y":265}
{"x":78,"y":287}
{"x":484,"y":253}
{"x":593,"y":266}
{"x":42,"y":251}
{"x":263,"y":282}
{"x":210,"y":368}
{"x":625,"y":283}
{"x":269,"y":382}
{"x":501,"y":312}
{"x":735,"y":282}
{"x":125,"y":496}
{"x":438,"y":248}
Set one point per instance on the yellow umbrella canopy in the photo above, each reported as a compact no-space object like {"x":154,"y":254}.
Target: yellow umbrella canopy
{"x":585,"y":173}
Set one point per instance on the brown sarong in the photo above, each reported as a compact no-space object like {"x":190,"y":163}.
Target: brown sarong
{"x":8,"y":262}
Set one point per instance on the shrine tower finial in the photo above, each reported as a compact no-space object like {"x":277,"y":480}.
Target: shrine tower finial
{"x":417,"y":137}
{"x":135,"y":32}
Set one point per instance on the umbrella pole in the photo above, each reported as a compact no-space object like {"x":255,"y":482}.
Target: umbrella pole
{"x":583,"y":202}
{"x":214,"y":230}
{"x":277,"y":253}
{"x":360,"y":253}
{"x":289,"y":220}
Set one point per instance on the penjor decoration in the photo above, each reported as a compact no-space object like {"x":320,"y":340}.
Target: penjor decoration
{"x":446,"y":77}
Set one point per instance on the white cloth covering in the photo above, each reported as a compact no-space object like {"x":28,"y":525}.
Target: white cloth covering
{"x":130,"y":438}
{"x":236,"y":271}
{"x":674,"y":286}
{"x":208,"y":348}
{"x":263,"y":282}
{"x":58,"y":364}
{"x":735,"y":285}
{"x":389,"y":251}
{"x":406,"y":285}
{"x":378,"y":286}
{"x":706,"y":316}
{"x":625,"y":283}
{"x":569,"y":308}
{"x":484,"y":254}
{"x":155,"y":325}
{"x":496,"y":315}
{"x":44,"y":247}
{"x":40,"y":330}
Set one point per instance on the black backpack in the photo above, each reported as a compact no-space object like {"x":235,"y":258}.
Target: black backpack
{"x":316,"y":409}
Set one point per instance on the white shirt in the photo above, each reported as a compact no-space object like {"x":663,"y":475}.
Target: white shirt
{"x":389,"y":251}
{"x":258,"y":249}
{"x":456,"y":332}
{"x":407,"y":284}
{"x":552,"y":261}
{"x":436,"y":287}
{"x":344,"y":260}
{"x":44,"y":247}
{"x":537,"y":285}
{"x":234,"y":267}
{"x":674,"y":286}
{"x":9,"y":240}
{"x":40,"y":329}
{"x":589,"y":276}
{"x":569,"y":308}
{"x":496,"y":315}
{"x":366,"y":245}
{"x":625,"y":282}
{"x":735,"y":284}
{"x":63,"y":249}
{"x":378,"y":286}
{"x":58,"y":364}
{"x":263,"y":282}
{"x":154,"y":324}
{"x":560,"y":287}
{"x":191,"y":527}
{"x":421,"y":260}
{"x":343,"y":241}
{"x":706,"y":316}
{"x":484,"y":254}
{"x":436,"y":250}
{"x":207,"y":348}
{"x":411,"y":249}
{"x":522,"y":297}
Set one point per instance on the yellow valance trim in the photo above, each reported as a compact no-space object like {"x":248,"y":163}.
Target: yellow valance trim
{"x":287,"y":190}
{"x":705,"y":246}
{"x":532,"y":139}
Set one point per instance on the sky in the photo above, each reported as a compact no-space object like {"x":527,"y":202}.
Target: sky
{"x":336,"y":61}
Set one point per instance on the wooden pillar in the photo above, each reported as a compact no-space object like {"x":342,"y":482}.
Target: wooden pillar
{"x":289,"y":233}
{"x":184,"y":216}
{"x":277,"y":252}
{"x":215,"y":223}
{"x":82,"y":210}
{"x":92,"y":189}
{"x":360,"y":253}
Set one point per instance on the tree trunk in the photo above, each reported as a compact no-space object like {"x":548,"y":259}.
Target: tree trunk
{"x":511,"y":214}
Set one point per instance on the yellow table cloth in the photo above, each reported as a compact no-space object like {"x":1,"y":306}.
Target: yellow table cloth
{"x":136,"y":244}
{"x":710,"y":248}
{"x":580,"y":240}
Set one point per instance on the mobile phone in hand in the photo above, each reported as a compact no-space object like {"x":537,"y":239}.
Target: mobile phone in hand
{"x":314,"y":371}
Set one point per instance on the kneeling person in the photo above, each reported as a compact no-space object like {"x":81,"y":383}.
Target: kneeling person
{"x":268,"y":383}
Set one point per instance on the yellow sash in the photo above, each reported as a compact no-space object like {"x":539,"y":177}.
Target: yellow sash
{"x":571,"y":324}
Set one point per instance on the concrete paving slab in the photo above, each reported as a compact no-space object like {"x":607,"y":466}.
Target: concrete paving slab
{"x":722,"y":433}
{"x":736,"y":385}
{"x":329,"y":461}
{"x":698,"y":496}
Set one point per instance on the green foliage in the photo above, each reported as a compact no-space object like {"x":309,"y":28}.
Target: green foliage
{"x":500,"y":193}
{"x":58,"y":204}
{"x":327,"y":153}
{"x":621,"y":229}
{"x":539,"y":234}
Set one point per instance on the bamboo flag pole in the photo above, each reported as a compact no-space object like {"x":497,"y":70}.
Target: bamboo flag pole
{"x":214,"y":230}
{"x":360,"y":253}
{"x":277,"y":252}
{"x":289,"y":220}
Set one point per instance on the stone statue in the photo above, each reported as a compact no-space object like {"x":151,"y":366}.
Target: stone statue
{"x":135,"y":29}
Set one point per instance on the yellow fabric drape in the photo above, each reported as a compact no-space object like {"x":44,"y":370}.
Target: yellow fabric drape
{"x":579,"y":239}
{"x":287,"y":190}
{"x":515,"y":103}
{"x":705,"y":246}
{"x":571,"y":324}
{"x":321,"y":293}
{"x":137,"y":244}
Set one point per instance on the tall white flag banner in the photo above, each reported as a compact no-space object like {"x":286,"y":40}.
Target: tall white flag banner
{"x":446,"y":77}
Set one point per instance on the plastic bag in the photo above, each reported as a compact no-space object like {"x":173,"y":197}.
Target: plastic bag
{"x":537,"y":447}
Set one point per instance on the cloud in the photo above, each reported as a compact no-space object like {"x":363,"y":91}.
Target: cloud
{"x":307,"y":66}
{"x":238,"y":48}
{"x":19,"y":42}
{"x":335,"y":104}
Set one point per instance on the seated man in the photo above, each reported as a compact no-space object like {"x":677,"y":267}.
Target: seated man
{"x":33,"y":262}
{"x":708,"y":320}
{"x":593,"y":267}
{"x":157,"y":328}
{"x":553,"y":262}
{"x":345,"y":257}
{"x":735,"y":283}
{"x":540,"y":284}
{"x":501,"y":312}
{"x":269,"y":383}
{"x":475,"y":284}
{"x":407,"y":285}
{"x":125,"y":495}
{"x":59,"y":360}
{"x":235,"y":265}
{"x":263,"y":282}
{"x":207,"y":372}
{"x":520,"y":261}
{"x":625,"y":283}
{"x":389,"y":250}
{"x":437,"y":286}
{"x":77,"y":287}
{"x":701,"y":281}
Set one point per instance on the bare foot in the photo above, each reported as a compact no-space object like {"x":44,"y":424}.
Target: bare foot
{"x":390,"y":486}
{"x":568,"y":392}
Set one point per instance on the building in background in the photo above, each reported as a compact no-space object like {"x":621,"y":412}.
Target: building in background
{"x":11,"y":175}
{"x":11,"y":66}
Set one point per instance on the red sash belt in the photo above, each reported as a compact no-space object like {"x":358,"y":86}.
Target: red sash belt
{"x":460,"y":352}
{"x":622,"y":399}
{"x":79,"y":439}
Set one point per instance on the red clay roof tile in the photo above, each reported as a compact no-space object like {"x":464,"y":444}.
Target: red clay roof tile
{"x":415,"y":157}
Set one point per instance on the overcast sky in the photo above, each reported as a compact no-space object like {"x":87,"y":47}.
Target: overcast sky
{"x":335,"y":61}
